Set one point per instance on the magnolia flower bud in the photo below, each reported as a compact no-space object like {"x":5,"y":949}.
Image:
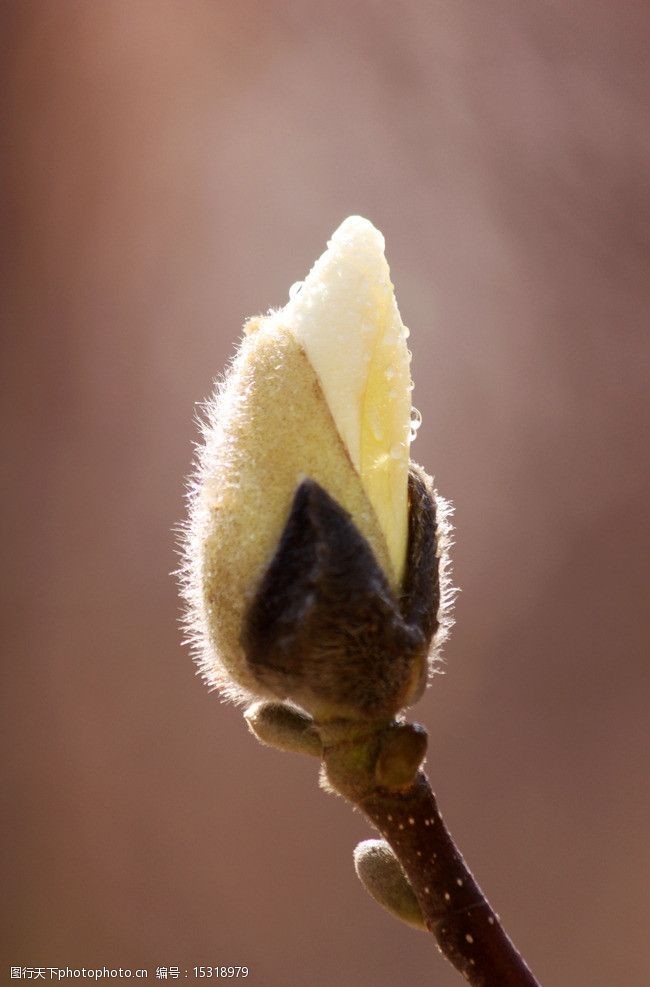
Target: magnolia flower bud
{"x":313,"y":556}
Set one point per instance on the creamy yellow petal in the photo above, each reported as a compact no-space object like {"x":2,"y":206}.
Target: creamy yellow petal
{"x":346,"y":318}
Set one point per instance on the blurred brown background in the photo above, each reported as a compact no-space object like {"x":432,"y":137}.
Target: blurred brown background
{"x":172,"y":166}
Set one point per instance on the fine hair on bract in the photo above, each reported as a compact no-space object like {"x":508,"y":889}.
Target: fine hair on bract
{"x":266,"y":428}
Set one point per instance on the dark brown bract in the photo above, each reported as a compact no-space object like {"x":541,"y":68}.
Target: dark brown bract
{"x":324,"y":628}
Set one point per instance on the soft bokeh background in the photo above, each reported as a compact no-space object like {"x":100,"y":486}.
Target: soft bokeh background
{"x":172,"y":166}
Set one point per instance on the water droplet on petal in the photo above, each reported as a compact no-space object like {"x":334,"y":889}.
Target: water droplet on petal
{"x":397,"y":450}
{"x":390,"y":373}
{"x":416,"y":421}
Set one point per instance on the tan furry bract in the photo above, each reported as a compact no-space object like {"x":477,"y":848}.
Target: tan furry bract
{"x":268,"y":427}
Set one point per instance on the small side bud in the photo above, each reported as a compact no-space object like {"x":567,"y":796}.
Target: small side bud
{"x":282,"y":726}
{"x":402,"y":750}
{"x":383,"y":878}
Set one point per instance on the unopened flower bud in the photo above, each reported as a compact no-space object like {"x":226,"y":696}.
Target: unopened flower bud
{"x":313,"y":551}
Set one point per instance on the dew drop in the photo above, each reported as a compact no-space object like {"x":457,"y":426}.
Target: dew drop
{"x":416,"y":421}
{"x":390,"y":373}
{"x":295,"y":289}
{"x":397,"y":450}
{"x":407,"y":332}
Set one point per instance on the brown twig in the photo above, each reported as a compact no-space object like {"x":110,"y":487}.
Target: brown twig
{"x":456,"y":912}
